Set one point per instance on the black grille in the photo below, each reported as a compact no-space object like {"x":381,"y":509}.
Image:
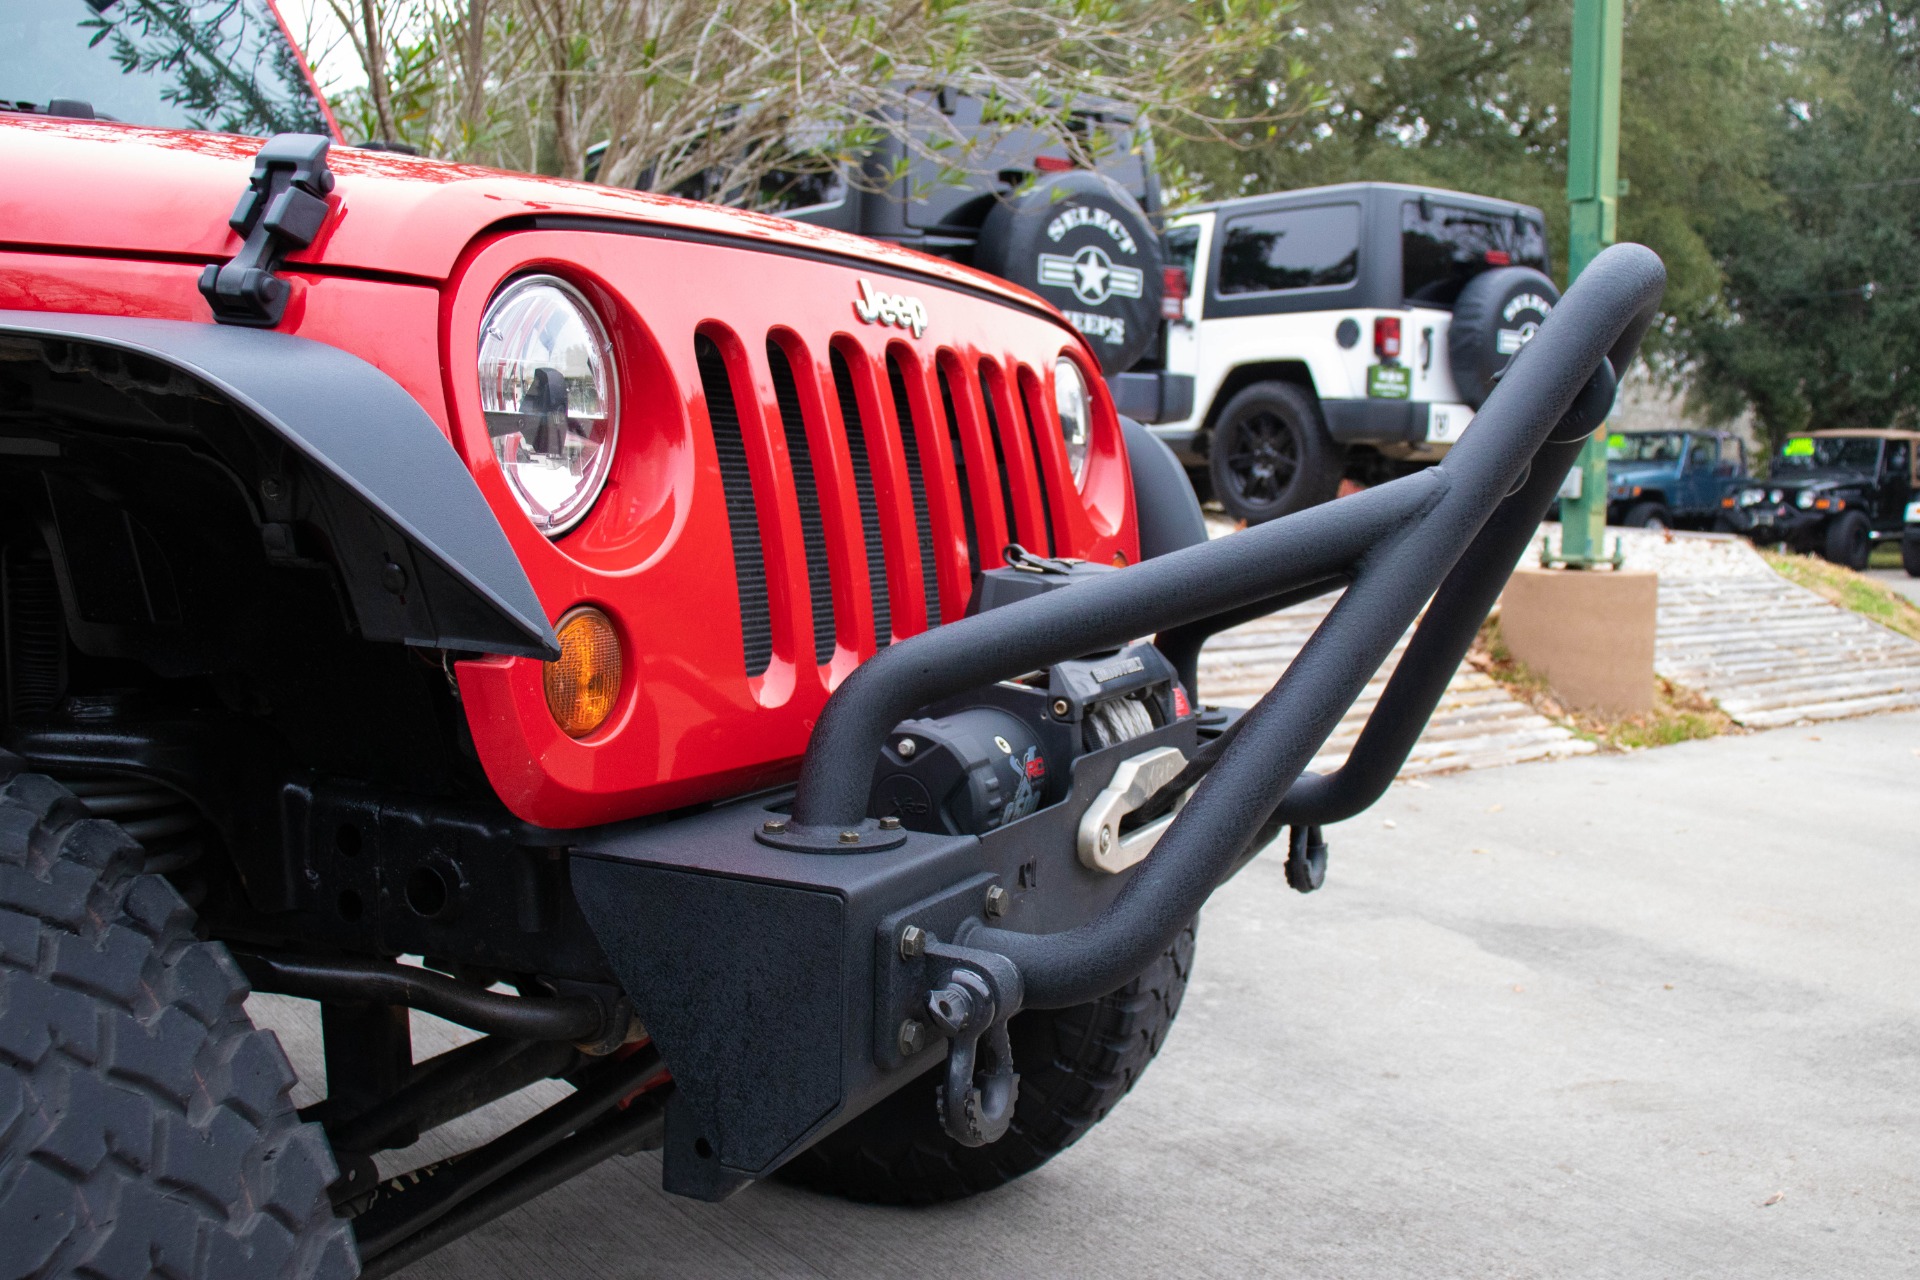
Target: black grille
{"x":917,"y":482}
{"x":999,"y":457}
{"x":743,"y":522}
{"x":33,"y":644}
{"x":869,"y":504}
{"x":1025,"y":405}
{"x":806,"y":491}
{"x":960,"y":472}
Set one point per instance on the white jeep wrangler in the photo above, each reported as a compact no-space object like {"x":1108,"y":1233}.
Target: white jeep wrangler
{"x":1343,"y":331}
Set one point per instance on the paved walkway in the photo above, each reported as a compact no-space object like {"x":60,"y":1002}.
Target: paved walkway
{"x":1769,"y":652}
{"x":1898,"y":580}
{"x":1627,"y":1016}
{"x":1478,"y":724}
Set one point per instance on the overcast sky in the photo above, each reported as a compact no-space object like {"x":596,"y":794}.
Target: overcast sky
{"x":324,"y":42}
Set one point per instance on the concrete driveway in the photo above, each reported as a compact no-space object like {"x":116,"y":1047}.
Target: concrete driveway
{"x":1898,"y":579}
{"x":1638,"y":1016}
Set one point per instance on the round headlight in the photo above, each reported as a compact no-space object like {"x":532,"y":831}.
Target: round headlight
{"x":1752,"y":497}
{"x":547,"y":388}
{"x":1075,"y":407}
{"x":1803,"y":499}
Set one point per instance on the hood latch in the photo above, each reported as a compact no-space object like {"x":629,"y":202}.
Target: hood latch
{"x":282,"y":209}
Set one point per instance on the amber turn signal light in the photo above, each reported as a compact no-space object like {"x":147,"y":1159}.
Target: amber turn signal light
{"x":584,"y":684}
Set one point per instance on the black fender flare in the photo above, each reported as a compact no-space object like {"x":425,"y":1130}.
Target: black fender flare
{"x":1163,"y":497}
{"x":399,"y":494}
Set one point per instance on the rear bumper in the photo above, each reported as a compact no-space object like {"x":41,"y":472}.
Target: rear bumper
{"x":1153,"y":396}
{"x":1419,"y":423}
{"x":1371,"y":422}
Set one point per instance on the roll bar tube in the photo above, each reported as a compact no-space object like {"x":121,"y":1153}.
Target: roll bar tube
{"x":1448,"y":533}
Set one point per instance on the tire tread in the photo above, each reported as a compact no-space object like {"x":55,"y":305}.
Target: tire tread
{"x":146,"y":1127}
{"x":1075,"y":1065}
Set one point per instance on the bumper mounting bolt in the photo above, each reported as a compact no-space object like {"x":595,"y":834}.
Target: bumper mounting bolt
{"x":913,"y":1037}
{"x":997,"y":900}
{"x":849,"y":837}
{"x":1106,"y":839}
{"x":913,"y":942}
{"x":889,"y":823}
{"x":774,"y":826}
{"x":905,"y":748}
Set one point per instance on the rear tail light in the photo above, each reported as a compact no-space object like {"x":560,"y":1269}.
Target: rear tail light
{"x":1386,"y":337}
{"x":1173,"y":292}
{"x":1499,"y":258}
{"x":1052,"y":164}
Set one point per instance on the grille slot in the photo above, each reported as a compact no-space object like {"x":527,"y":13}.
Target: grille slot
{"x":960,"y":470}
{"x":869,"y":503}
{"x":917,"y":482}
{"x":743,"y":521}
{"x":806,"y":491}
{"x":1025,"y":391}
{"x":999,"y":453}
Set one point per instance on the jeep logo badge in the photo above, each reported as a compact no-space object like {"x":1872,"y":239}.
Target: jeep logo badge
{"x":876,"y":306}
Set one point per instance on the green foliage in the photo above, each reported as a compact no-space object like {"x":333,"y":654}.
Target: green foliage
{"x":1819,"y":323}
{"x":1472,"y":96}
{"x":725,"y":98}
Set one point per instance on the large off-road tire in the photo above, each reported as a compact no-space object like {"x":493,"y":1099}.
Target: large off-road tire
{"x":1074,"y":1065}
{"x":1270,"y":455}
{"x":1849,"y":541}
{"x":145,"y":1125}
{"x":1910,"y":555}
{"x":1648,"y":515}
{"x":1082,"y":242}
{"x":1495,"y":315}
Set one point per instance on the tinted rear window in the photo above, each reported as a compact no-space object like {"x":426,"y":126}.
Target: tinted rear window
{"x":1446,"y":246}
{"x":1291,"y":249}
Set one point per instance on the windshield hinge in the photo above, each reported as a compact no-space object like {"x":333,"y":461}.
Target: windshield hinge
{"x":282,"y":209}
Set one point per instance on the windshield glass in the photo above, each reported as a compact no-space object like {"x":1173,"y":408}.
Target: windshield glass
{"x":1805,"y":453}
{"x":1654,"y":446}
{"x":184,"y":64}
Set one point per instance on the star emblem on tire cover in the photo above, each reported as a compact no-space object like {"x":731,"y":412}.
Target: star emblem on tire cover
{"x":1092,"y":275}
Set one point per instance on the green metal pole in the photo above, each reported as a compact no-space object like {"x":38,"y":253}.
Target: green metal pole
{"x":1593,"y":188}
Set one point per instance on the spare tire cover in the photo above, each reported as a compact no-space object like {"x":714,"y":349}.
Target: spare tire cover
{"x":1494,"y":317}
{"x":1080,"y":241}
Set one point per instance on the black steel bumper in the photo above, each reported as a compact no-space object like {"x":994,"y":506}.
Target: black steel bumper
{"x":1778,"y":523}
{"x":768,"y":964}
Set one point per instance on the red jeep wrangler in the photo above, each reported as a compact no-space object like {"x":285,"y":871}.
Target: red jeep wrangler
{"x":711,"y":647}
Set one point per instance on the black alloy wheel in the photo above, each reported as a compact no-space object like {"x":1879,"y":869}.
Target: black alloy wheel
{"x":1270,"y":455}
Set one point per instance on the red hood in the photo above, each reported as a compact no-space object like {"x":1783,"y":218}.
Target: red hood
{"x":123,"y":189}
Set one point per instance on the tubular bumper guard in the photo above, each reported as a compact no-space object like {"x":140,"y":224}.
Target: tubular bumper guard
{"x":780,"y":982}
